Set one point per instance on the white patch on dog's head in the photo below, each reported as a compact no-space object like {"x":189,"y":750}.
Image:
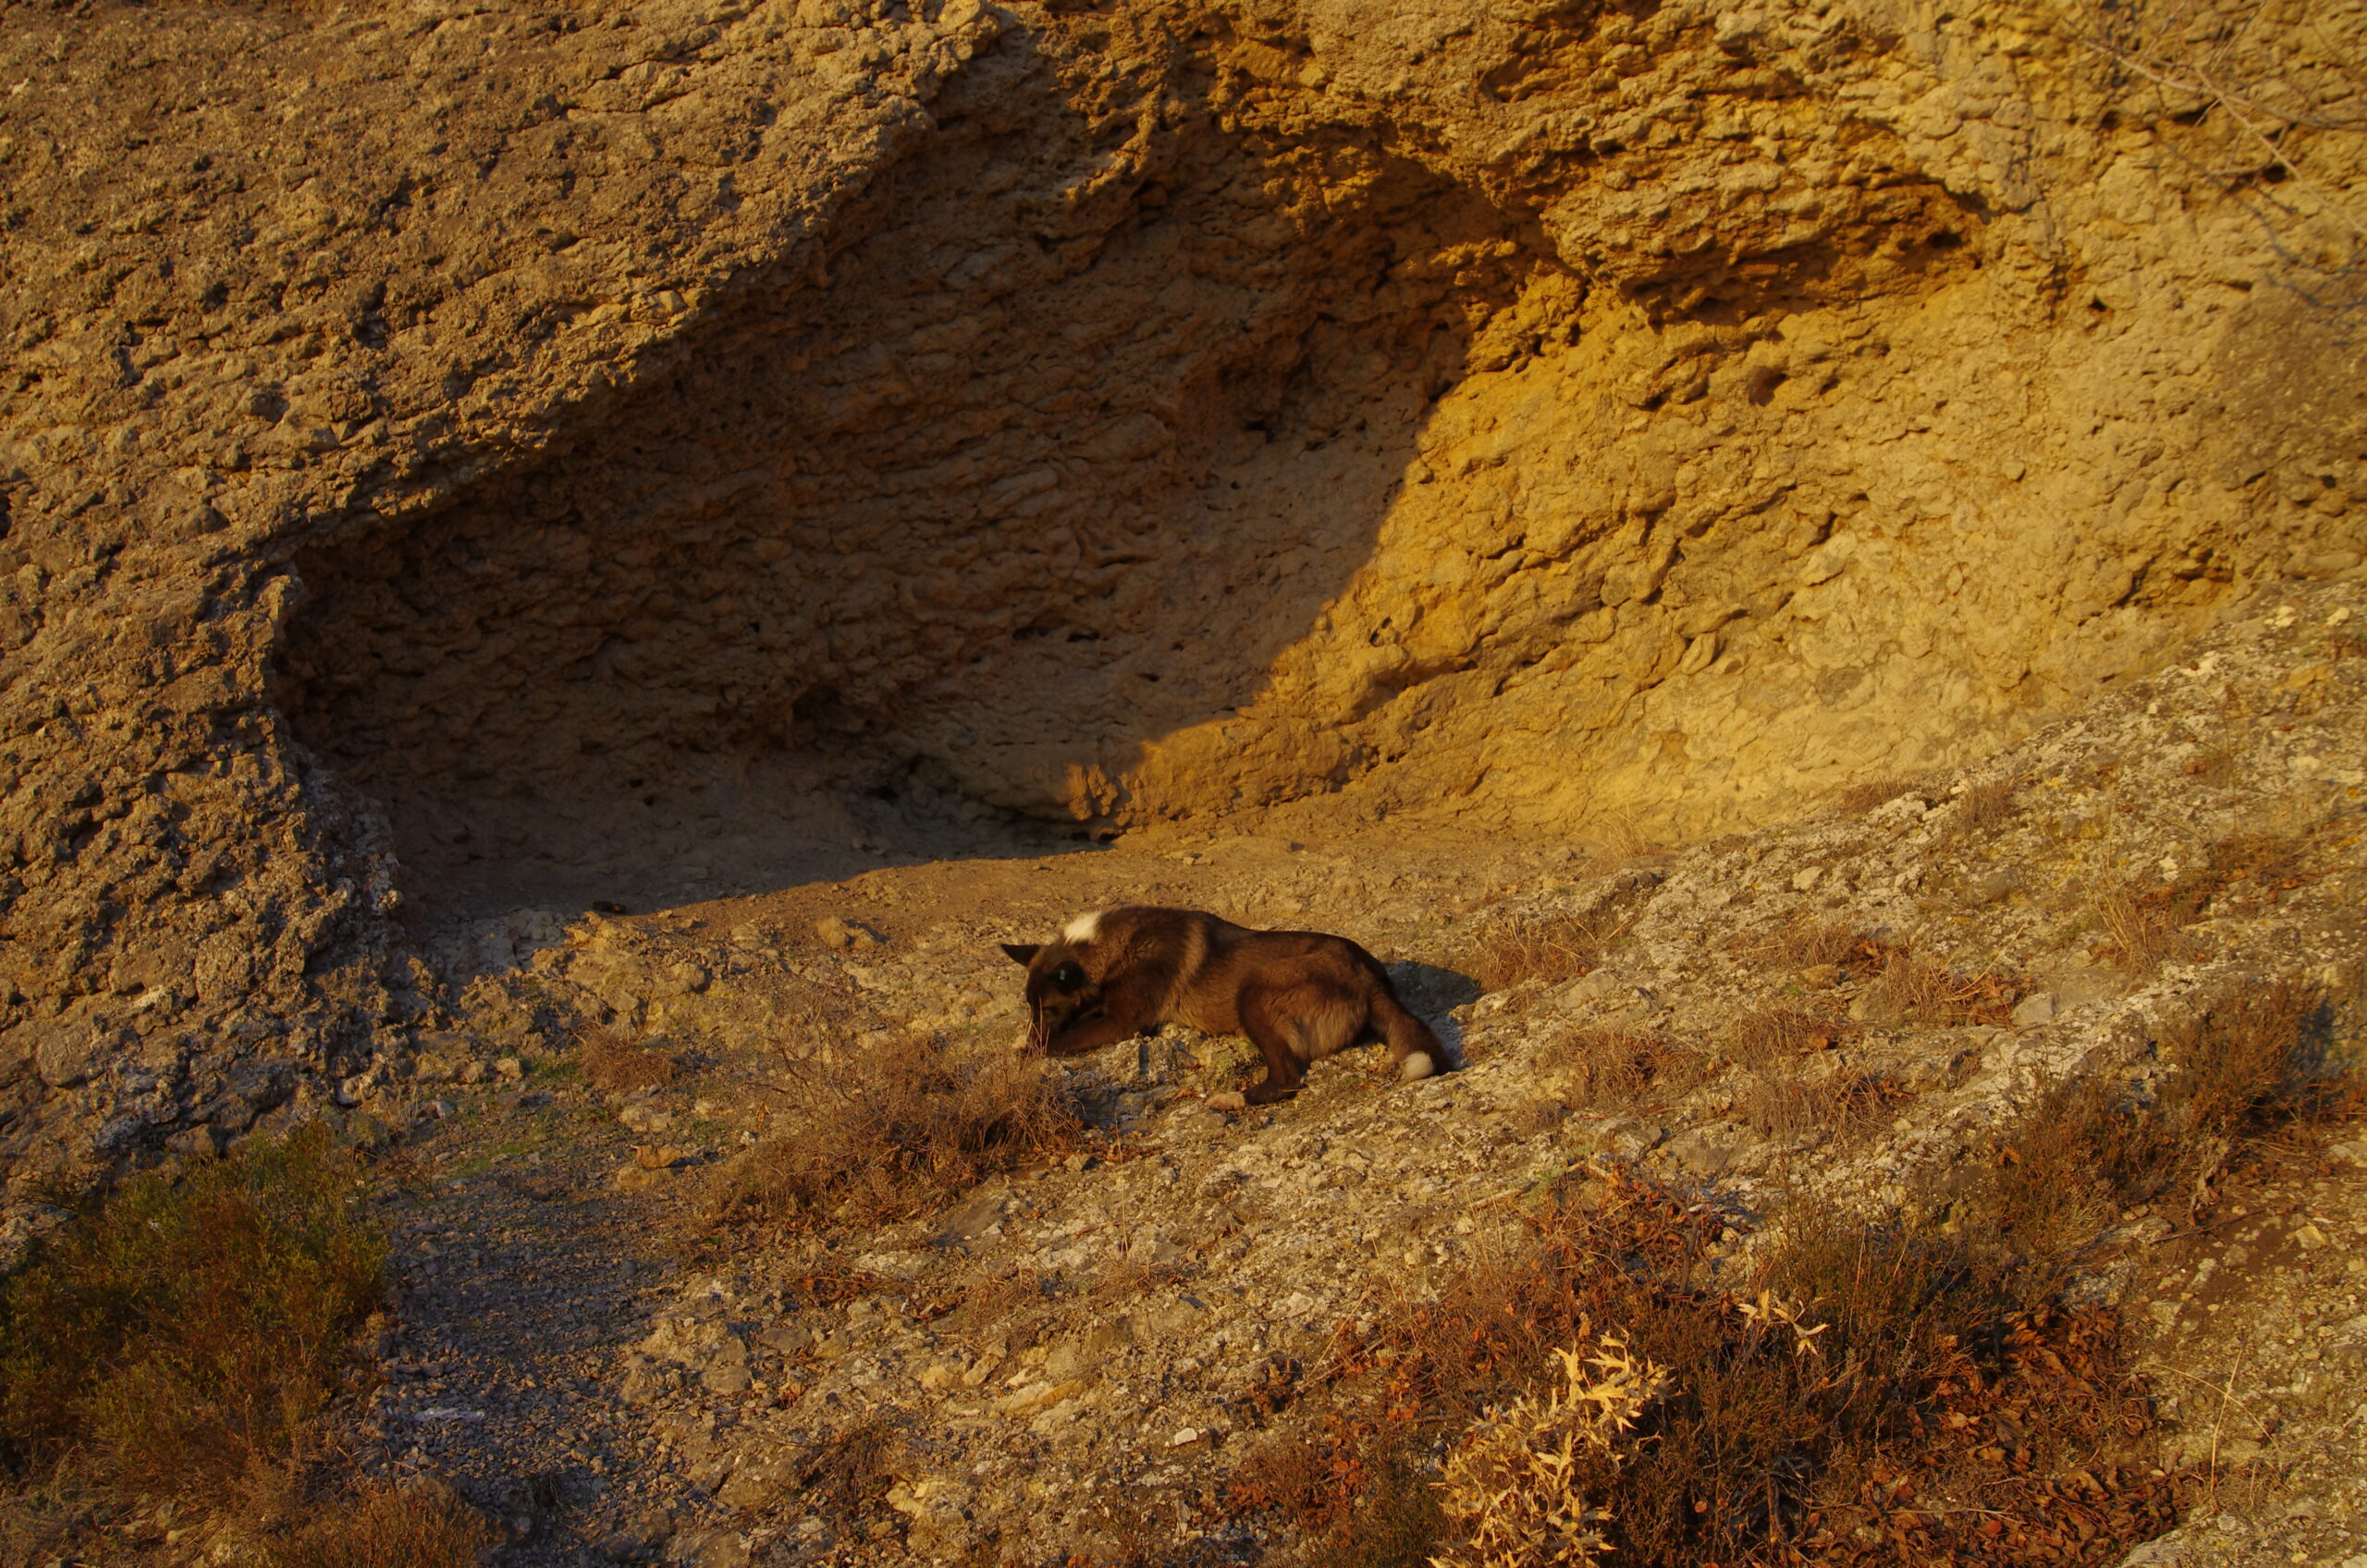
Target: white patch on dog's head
{"x":1083,"y":928}
{"x":1418,"y":1064}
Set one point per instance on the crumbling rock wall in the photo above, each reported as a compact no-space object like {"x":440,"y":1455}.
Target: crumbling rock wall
{"x":456,"y":454}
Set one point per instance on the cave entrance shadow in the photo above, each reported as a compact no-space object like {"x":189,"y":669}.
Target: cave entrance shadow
{"x":891,"y":563}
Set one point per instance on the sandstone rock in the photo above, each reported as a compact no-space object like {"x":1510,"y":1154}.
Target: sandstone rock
{"x":755,"y":1483}
{"x":1737,"y":476}
{"x":437,"y":1066}
{"x":195,"y":1143}
{"x":725,"y":1378}
{"x":645,"y":1116}
{"x":785,"y":1338}
{"x":846,"y":935}
{"x":708,"y":1549}
{"x":939,"y":1511}
{"x":64,"y":1057}
{"x":1034,"y":1398}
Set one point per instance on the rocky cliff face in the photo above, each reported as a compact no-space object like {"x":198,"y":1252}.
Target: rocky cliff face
{"x":449,"y":457}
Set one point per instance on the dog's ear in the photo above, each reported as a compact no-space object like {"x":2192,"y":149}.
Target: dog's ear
{"x":1022,"y":955}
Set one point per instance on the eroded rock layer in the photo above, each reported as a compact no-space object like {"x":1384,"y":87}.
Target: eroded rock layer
{"x":448,"y":455}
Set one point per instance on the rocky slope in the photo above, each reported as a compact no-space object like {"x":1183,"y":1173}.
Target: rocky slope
{"x":1080,"y":1358}
{"x":522,"y":458}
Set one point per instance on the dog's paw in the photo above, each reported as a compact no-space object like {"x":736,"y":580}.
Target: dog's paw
{"x":1232,"y":1099}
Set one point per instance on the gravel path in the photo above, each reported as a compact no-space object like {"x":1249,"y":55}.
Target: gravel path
{"x":522,"y":1271}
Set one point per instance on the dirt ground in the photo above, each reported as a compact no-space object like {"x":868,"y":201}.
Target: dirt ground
{"x":1070,"y":1360}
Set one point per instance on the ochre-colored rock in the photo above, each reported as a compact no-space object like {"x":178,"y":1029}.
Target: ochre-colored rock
{"x":522,"y":455}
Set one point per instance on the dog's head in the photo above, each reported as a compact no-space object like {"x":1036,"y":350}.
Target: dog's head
{"x":1060,"y":992}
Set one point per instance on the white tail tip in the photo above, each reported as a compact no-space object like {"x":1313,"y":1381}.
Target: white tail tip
{"x":1417,"y":1065}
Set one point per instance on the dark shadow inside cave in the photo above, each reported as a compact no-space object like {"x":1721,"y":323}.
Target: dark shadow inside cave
{"x":1040,"y":468}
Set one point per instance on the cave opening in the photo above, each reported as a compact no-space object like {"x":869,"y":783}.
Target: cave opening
{"x":909,"y":562}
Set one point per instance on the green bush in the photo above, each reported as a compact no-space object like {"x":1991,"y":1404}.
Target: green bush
{"x":182,"y":1331}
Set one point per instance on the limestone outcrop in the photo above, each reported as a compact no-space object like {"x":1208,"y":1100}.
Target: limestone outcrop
{"x":449,"y":456}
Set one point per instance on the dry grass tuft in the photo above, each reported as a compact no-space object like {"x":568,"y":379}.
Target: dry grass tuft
{"x":1936,"y":996}
{"x":1859,"y":798}
{"x":2144,"y":926}
{"x":613,"y":1067}
{"x":2251,"y":1058}
{"x":1802,"y":943}
{"x":898,"y":1135}
{"x":2138,"y":932}
{"x":183,"y":1334}
{"x":1612,"y":1067}
{"x":845,"y":1479}
{"x":1777,"y":1037}
{"x":1843,"y":1105}
{"x":1908,"y":985}
{"x":1984,"y":808}
{"x":1549,"y":949}
{"x":422,"y":1526}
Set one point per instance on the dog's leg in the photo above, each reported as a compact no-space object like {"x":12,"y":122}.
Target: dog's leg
{"x":1092,"y":1034}
{"x":1262,"y":1020}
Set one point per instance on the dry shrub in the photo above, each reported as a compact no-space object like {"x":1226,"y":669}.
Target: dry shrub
{"x":1936,"y":996}
{"x":420,"y":1526}
{"x":846,"y":1477}
{"x":1836,"y":1401}
{"x":1846,"y":1104}
{"x":1355,"y":1489}
{"x":990,"y":1297}
{"x":38,"y":1527}
{"x":1801,"y":943}
{"x":2253,"y":1055}
{"x":2141,"y":927}
{"x":1612,"y":1067}
{"x":1776,"y":1036}
{"x":183,"y":1334}
{"x":898,"y":1135}
{"x":1512,"y":1487}
{"x":2251,"y":1058}
{"x":1859,"y":798}
{"x":1867,"y":1391}
{"x":1983,"y":809}
{"x":2138,"y":932}
{"x":613,"y":1067}
{"x":1982,"y":1424}
{"x":1549,"y":949}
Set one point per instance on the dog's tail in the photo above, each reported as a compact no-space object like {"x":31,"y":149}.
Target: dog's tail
{"x":1416,"y":1049}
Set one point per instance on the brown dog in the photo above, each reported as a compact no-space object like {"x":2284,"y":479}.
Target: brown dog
{"x":1298,"y":995}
